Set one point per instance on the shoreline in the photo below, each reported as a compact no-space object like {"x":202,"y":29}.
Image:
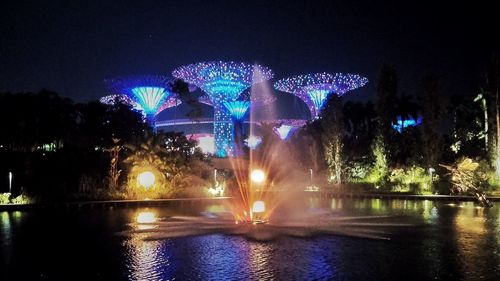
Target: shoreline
{"x":189,"y":201}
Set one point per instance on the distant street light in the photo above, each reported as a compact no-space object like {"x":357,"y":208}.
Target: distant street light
{"x":10,"y":182}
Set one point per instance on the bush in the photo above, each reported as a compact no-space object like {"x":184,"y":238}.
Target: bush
{"x":414,"y":179}
{"x":4,"y":198}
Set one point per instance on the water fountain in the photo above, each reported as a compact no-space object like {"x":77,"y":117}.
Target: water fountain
{"x":266,"y":202}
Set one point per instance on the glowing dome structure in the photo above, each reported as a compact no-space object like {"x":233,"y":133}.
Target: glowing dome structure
{"x":148,"y":93}
{"x":223,"y":82}
{"x":314,"y":89}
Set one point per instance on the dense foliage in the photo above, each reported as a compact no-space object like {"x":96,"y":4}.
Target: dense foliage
{"x":57,"y":150}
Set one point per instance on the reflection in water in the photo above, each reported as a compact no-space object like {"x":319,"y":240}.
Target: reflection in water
{"x":145,"y":259}
{"x":456,"y":243}
{"x":146,"y":217}
{"x":8,"y":221}
{"x":472,"y":237}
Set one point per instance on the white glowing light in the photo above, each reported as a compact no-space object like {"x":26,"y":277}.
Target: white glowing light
{"x":146,"y":179}
{"x":258,"y":207}
{"x":146,"y":217}
{"x":253,"y":141}
{"x":207,"y":144}
{"x":283,"y":131}
{"x":258,"y":176}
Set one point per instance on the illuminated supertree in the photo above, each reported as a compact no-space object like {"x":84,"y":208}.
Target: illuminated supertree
{"x":147,"y":93}
{"x":223,"y":82}
{"x":113,"y":98}
{"x":314,"y":89}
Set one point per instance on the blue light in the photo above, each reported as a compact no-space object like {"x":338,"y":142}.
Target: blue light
{"x":150,"y":98}
{"x":318,"y":97}
{"x":401,"y":123}
{"x":223,"y":133}
{"x":223,"y":82}
{"x":237,"y":108}
{"x":224,"y":89}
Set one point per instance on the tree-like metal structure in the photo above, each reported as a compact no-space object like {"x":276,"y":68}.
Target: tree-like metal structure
{"x":315,"y":88}
{"x":113,"y":98}
{"x":223,"y":82}
{"x":148,"y":93}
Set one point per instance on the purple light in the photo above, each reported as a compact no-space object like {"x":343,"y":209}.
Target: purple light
{"x":223,"y":82}
{"x":314,"y":89}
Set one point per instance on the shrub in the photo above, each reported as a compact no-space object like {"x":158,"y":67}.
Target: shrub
{"x":413,"y":179}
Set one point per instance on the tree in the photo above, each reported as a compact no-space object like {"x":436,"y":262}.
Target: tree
{"x":387,"y":89}
{"x":332,"y":124}
{"x":432,"y":105}
{"x":492,"y":91}
{"x":181,"y":88}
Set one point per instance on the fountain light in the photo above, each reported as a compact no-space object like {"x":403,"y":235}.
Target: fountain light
{"x":146,"y":179}
{"x":258,"y":207}
{"x":258,"y":176}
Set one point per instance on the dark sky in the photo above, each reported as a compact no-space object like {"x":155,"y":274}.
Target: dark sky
{"x":71,"y":46}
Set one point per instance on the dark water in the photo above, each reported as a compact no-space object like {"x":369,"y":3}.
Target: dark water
{"x":455,"y":242}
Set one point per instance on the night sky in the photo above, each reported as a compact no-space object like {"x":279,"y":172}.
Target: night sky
{"x":71,"y":46}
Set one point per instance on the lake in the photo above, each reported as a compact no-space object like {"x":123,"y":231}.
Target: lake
{"x":451,"y":241}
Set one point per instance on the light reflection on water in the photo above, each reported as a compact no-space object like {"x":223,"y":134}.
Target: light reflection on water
{"x":457,"y":242}
{"x":453,"y":244}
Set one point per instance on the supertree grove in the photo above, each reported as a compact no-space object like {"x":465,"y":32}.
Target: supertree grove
{"x":314,"y":89}
{"x":223,"y":82}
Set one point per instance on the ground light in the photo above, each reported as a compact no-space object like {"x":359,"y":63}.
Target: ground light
{"x":258,"y":176}
{"x":146,"y":179}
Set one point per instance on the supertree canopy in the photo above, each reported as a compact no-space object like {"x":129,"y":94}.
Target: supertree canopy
{"x":113,"y":98}
{"x":149,"y":92}
{"x":223,"y":82}
{"x":314,"y":89}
